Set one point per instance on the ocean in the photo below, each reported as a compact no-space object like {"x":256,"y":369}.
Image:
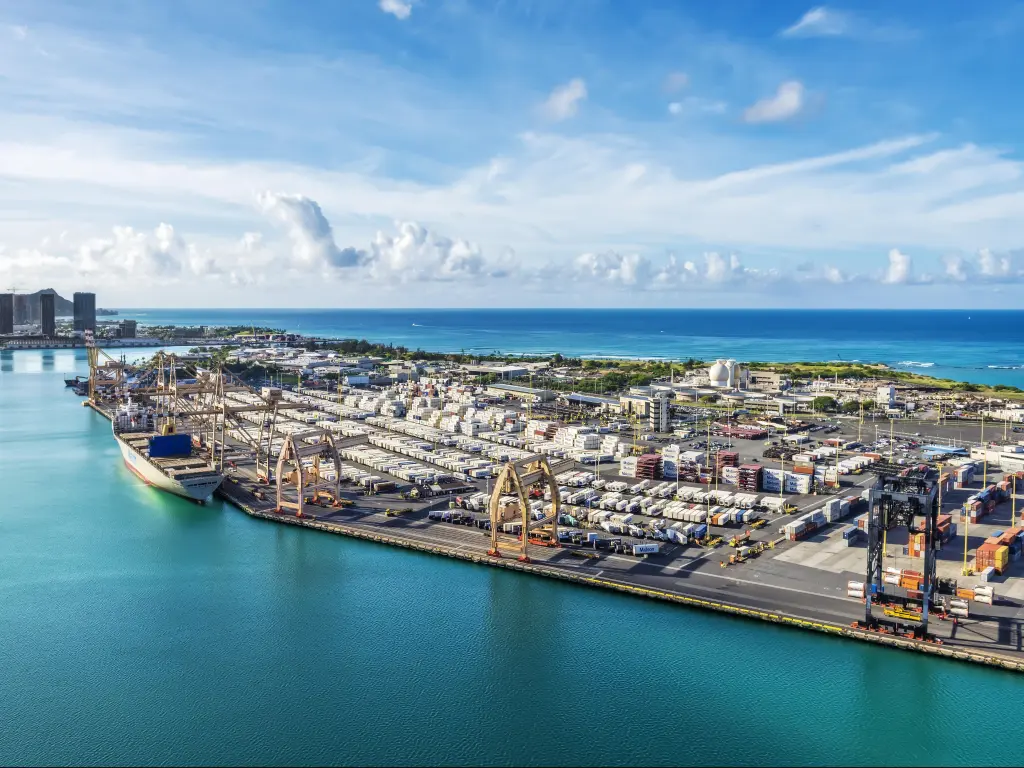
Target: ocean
{"x":986,"y":347}
{"x":139,"y":629}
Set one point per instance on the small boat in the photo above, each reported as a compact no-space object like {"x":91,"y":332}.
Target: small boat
{"x":75,"y":381}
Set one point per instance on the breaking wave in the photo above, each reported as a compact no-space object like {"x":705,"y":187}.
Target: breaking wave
{"x":915,"y":364}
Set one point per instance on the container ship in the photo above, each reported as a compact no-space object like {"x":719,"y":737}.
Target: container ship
{"x":161,"y":456}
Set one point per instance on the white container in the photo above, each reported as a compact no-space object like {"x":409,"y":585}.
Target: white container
{"x":962,"y":613}
{"x":987,"y":599}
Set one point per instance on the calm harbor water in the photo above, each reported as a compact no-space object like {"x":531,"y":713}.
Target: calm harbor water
{"x":966,"y":345}
{"x":140,"y":629}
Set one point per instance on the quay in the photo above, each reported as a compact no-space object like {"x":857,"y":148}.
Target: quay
{"x":775,"y":598}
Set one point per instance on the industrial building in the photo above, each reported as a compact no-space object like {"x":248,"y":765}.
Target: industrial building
{"x":48,"y":314}
{"x":652,"y":404}
{"x":525,"y":393}
{"x":605,"y":404}
{"x":84,"y":312}
{"x":6,"y":313}
{"x":885,"y":397}
{"x":768,"y":381}
{"x":499,"y":371}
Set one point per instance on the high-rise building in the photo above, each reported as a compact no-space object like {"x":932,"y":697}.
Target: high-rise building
{"x":48,"y":314}
{"x":6,"y":313}
{"x":85,"y":312}
{"x":127,"y":329}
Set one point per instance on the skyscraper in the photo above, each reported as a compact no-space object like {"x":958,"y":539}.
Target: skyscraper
{"x":48,"y":315}
{"x":6,"y":313}
{"x":85,"y":312}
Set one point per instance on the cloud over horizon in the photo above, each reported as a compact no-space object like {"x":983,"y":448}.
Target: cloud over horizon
{"x":460,"y":146}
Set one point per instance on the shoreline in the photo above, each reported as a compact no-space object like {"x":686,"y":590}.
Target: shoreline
{"x":559,"y":574}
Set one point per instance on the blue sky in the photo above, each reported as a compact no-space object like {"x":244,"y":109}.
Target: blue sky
{"x":514,"y":152}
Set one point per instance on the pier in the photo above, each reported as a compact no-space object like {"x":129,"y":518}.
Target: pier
{"x":992,"y":642}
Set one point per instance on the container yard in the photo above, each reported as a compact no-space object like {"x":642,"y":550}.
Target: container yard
{"x":804,"y":535}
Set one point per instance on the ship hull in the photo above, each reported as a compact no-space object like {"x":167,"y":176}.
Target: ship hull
{"x":195,"y":489}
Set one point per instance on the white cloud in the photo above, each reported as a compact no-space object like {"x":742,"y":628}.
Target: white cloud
{"x":416,"y":255}
{"x":624,"y":269}
{"x":991,"y":265}
{"x":132,"y":253}
{"x":676,"y":81}
{"x":820,"y":22}
{"x":900,"y":270}
{"x":986,"y":267}
{"x":19,"y":32}
{"x":312,"y":237}
{"x":956,"y":268}
{"x":695,"y":104}
{"x":786,"y":103}
{"x":400,"y":9}
{"x":563,"y":102}
{"x":835,"y":275}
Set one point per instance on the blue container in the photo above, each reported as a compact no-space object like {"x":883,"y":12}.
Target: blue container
{"x":164,"y":446}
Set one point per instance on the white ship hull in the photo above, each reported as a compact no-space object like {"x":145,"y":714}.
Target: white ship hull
{"x":195,"y":488}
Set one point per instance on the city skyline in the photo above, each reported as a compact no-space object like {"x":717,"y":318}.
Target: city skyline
{"x":400,"y":153}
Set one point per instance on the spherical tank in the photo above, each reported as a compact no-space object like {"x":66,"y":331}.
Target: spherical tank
{"x":718,"y":374}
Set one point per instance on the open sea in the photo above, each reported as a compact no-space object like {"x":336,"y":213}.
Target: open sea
{"x":983,"y":346}
{"x":139,"y":629}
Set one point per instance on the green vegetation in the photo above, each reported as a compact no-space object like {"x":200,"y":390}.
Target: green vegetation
{"x":824,"y":403}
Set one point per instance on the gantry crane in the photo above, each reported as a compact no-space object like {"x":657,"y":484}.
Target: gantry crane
{"x":899,"y":498}
{"x":517,"y":478}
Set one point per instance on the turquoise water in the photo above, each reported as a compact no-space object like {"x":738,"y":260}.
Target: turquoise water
{"x":966,"y":345}
{"x":140,"y":629}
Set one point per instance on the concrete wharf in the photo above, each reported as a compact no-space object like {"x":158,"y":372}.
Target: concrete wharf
{"x":995,"y":640}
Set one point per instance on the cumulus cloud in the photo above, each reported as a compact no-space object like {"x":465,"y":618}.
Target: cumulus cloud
{"x":991,"y":265}
{"x":835,"y":275}
{"x":637,"y":271}
{"x":629,"y":269}
{"x":563,"y":102}
{"x":785,"y":104}
{"x":900,"y":269}
{"x":311,"y":234}
{"x":132,"y":253}
{"x":956,"y":268}
{"x":416,"y":254}
{"x":985,"y":266}
{"x":819,"y":22}
{"x":400,"y":9}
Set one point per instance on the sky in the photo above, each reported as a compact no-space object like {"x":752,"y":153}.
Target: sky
{"x":514,"y":153}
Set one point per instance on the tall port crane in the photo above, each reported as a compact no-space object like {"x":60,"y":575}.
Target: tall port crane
{"x":517,"y":478}
{"x":900,"y":498}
